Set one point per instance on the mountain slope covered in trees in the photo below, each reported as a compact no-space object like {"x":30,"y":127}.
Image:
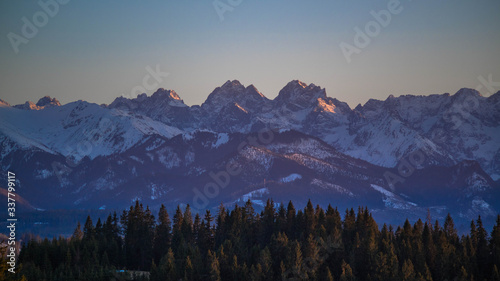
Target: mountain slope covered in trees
{"x":279,"y":243}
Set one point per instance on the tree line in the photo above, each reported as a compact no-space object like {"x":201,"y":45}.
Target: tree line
{"x":279,"y":243}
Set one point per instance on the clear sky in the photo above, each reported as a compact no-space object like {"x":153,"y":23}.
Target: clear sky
{"x":99,"y":50}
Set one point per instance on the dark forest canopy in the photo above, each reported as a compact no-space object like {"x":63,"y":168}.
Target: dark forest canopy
{"x":279,"y":243}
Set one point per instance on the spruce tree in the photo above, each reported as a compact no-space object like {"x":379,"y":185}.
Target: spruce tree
{"x":482,"y":250}
{"x":495,"y":276}
{"x":328,"y":275}
{"x":88,"y":229}
{"x":77,"y":233}
{"x":495,"y":242}
{"x":347,"y":274}
{"x":290,"y":220}
{"x":408,"y":271}
{"x":162,"y":234}
{"x":213,"y":266}
{"x":189,"y":274}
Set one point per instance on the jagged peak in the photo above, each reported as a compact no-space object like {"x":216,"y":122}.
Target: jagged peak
{"x":46,"y":101}
{"x":495,"y":97}
{"x":299,"y":91}
{"x":234,"y":92}
{"x":392,"y":100}
{"x":373,"y":101}
{"x":161,"y":92}
{"x":228,"y":88}
{"x":29,"y":105}
{"x":42,"y":103}
{"x":232,"y":84}
{"x":297,"y":82}
{"x":467,"y":92}
{"x":159,"y":97}
{"x":4,"y":103}
{"x":252,"y":87}
{"x":253,"y":90}
{"x":142,"y":97}
{"x":466,"y":96}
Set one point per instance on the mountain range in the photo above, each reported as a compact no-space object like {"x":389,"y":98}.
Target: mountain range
{"x":401,"y":157}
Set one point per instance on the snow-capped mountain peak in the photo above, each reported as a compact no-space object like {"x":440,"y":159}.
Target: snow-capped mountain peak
{"x":495,"y":98}
{"x":169,"y":94}
{"x":233,"y":93}
{"x":295,"y":83}
{"x":4,"y":103}
{"x":160,"y":99}
{"x":318,"y":150}
{"x":231,"y":84}
{"x":447,"y":128}
{"x":42,"y":103}
{"x":299,"y":93}
{"x":467,"y":92}
{"x":226,"y":91}
{"x":47,"y":101}
{"x":253,"y":91}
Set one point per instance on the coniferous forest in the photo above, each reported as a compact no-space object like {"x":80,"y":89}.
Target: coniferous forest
{"x":279,"y":243}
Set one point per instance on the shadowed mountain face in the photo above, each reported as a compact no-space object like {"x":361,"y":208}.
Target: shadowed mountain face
{"x":400,"y":157}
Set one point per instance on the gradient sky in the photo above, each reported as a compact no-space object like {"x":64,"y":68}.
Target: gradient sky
{"x":98,"y":50}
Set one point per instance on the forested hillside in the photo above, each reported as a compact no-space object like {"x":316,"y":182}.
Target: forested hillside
{"x":280,"y":243}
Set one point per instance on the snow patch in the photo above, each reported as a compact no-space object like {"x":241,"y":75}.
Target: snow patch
{"x":480,"y":204}
{"x":477,"y":182}
{"x":255,"y":193}
{"x":43,"y":174}
{"x":257,"y":155}
{"x":291,"y":177}
{"x":259,"y":193}
{"x":327,"y":185}
{"x":136,"y":159}
{"x":222,"y":138}
{"x":392,"y":200}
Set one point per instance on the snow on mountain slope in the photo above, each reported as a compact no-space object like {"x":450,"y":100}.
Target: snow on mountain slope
{"x":4,"y":103}
{"x":260,"y":157}
{"x":163,"y":105}
{"x":78,"y":129}
{"x":256,"y":197}
{"x":292,"y":166}
{"x":327,"y":185}
{"x":248,"y":99}
{"x":392,"y":200}
{"x":222,"y":139}
{"x":446,"y":129}
{"x":291,"y":177}
{"x":42,"y":103}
